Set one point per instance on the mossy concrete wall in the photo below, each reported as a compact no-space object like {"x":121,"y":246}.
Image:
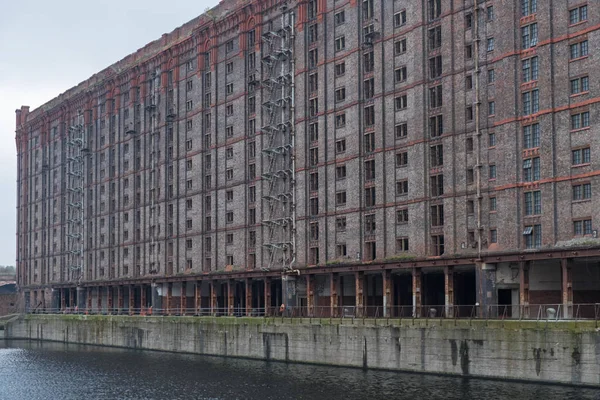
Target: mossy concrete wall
{"x":557,"y":352}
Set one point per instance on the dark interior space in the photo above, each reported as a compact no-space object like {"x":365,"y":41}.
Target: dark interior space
{"x":403,"y":299}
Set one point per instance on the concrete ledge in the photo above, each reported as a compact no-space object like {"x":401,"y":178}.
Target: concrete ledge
{"x":555,"y":352}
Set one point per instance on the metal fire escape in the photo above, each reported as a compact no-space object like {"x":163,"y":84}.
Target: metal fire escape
{"x":152,"y":109}
{"x":279,"y":175}
{"x":76,"y":150}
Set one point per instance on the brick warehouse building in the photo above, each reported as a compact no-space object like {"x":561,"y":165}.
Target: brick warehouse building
{"x":379,"y":153}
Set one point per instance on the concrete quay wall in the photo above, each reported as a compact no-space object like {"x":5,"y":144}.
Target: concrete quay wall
{"x":554,"y":352}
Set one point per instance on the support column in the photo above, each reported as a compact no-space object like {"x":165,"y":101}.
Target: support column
{"x":449,"y":291}
{"x":143,"y":300}
{"x":99,"y":299}
{"x":333,"y":293}
{"x":416,"y":289}
{"x":89,"y":299}
{"x":248,"y":297}
{"x":310,"y":295}
{"x":183,"y":298}
{"x":230,"y":296}
{"x":156,"y":298}
{"x":120,"y":299}
{"x":80,"y":301}
{"x":359,"y":279}
{"x":567,"y":287}
{"x":169,"y":297}
{"x":131,"y":299}
{"x":198,"y":297}
{"x":267,"y":296}
{"x":55,"y":300}
{"x":213,"y":299}
{"x":388,"y":294}
{"x":524,"y":288}
{"x":109,"y":300}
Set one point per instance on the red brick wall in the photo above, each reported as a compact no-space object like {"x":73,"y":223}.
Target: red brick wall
{"x":8,"y":303}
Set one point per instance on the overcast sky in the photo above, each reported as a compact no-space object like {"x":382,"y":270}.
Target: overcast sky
{"x":46,"y":47}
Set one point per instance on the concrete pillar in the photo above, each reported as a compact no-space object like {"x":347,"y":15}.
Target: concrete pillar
{"x":333,"y":293}
{"x":449,"y":291}
{"x":156,"y":300}
{"x":131,"y":299}
{"x":89,"y":299}
{"x":198,"y":297}
{"x":55,"y":300}
{"x":230,"y":296}
{"x":109,"y":300}
{"x":359,"y":279}
{"x":388,"y":293}
{"x":267,"y":296}
{"x":213,"y":298}
{"x":487,"y":295}
{"x":120,"y":299}
{"x":143,"y":300}
{"x":310,"y":295}
{"x":288,"y":288}
{"x":417,"y":276}
{"x":99,"y":299}
{"x":567,"y":287}
{"x":183,"y":298}
{"x":524,"y":288}
{"x":248,"y":297}
{"x":169,"y":297}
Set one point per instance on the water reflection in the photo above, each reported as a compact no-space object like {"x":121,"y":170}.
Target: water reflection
{"x":35,"y":370}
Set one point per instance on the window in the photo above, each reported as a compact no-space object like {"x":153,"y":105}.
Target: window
{"x":581,"y":120}
{"x":340,"y":172}
{"x":251,"y":149}
{"x":401,"y":244}
{"x":528,"y":7}
{"x":314,"y":255}
{"x":530,"y":69}
{"x":492,"y":172}
{"x":313,"y":156}
{"x":434,"y":36}
{"x":490,"y":13}
{"x":340,"y":18}
{"x":579,"y":49}
{"x":229,"y":46}
{"x":580,"y":85}
{"x":370,"y":197}
{"x":313,"y":58}
{"x":533,"y":203}
{"x":436,"y":155}
{"x":491,"y":76}
{"x":437,"y":215}
{"x":402,"y":159}
{"x":367,"y":9}
{"x":369,"y":170}
{"x":229,"y":89}
{"x":531,"y":136}
{"x":340,"y":69}
{"x":435,"y":67}
{"x":529,"y":35}
{"x":533,"y":236}
{"x":340,"y":94}
{"x":402,"y":216}
{"x":437,"y":245}
{"x":369,"y":142}
{"x":469,"y":51}
{"x":340,"y":224}
{"x":340,"y":250}
{"x":401,"y":102}
{"x":189,"y":125}
{"x":400,"y":46}
{"x":469,"y":113}
{"x":436,"y":126}
{"x":312,"y":34}
{"x":340,"y":198}
{"x":469,"y":82}
{"x":369,"y":116}
{"x":313,"y":107}
{"x":492,"y":204}
{"x":470,"y":176}
{"x":340,"y":43}
{"x":491,"y":108}
{"x":370,"y":223}
{"x":468,"y":21}
{"x":400,"y":18}
{"x":400,"y":74}
{"x":314,"y":231}
{"x":490,"y":44}
{"x":313,"y":132}
{"x":531,"y":169}
{"x":582,"y":227}
{"x":435,"y":96}
{"x":229,"y":174}
{"x":531,"y":102}
{"x":188,"y":204}
{"x":312,"y":9}
{"x":436,"y":183}
{"x":314,"y":206}
{"x":229,"y":195}
{"x":401,"y":130}
{"x":229,"y":68}
{"x":578,"y":14}
{"x":369,"y":88}
{"x":229,"y":217}
{"x":314,"y":181}
{"x":188,"y":224}
{"x":582,"y":191}
{"x":434,"y":9}
{"x":581,"y":156}
{"x":402,"y":188}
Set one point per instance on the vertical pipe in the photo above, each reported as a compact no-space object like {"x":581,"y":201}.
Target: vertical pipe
{"x":477,"y":127}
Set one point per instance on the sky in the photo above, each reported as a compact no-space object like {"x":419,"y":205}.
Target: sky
{"x":47,"y":47}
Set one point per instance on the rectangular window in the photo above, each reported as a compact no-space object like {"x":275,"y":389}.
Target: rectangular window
{"x":436,"y":154}
{"x":491,"y":76}
{"x":530,"y":68}
{"x":314,"y":181}
{"x":531,"y":136}
{"x":579,"y":50}
{"x":435,"y":96}
{"x":434,"y":9}
{"x":312,"y":34}
{"x":437,"y":245}
{"x":491,"y":108}
{"x":402,"y":216}
{"x":400,"y":74}
{"x":340,"y":198}
{"x":369,"y":88}
{"x":369,"y":142}
{"x":313,"y":58}
{"x":370,"y":197}
{"x":528,"y":7}
{"x":437,"y":215}
{"x":402,"y":159}
{"x":434,"y":36}
{"x":369,"y":170}
{"x":531,"y":102}
{"x":531,"y":169}
{"x":340,"y":172}
{"x":400,"y":18}
{"x":340,"y":18}
{"x":533,"y":236}
{"x":401,"y":130}
{"x":582,"y":227}
{"x":436,"y":183}
{"x":341,"y":250}
{"x":313,"y":132}
{"x":580,"y":85}
{"x":581,"y":120}
{"x":490,"y":44}
{"x":369,"y":116}
{"x":314,"y":231}
{"x":492,"y":204}
{"x":533,"y":203}
{"x":578,"y":14}
{"x":401,"y":102}
{"x":490,"y":13}
{"x":370,"y":223}
{"x":313,"y":107}
{"x":401,"y":244}
{"x":469,"y":51}
{"x":580,"y":156}
{"x":400,"y":46}
{"x":582,"y":192}
{"x":314,"y":206}
{"x":340,"y":94}
{"x":436,"y":126}
{"x":340,"y":43}
{"x":529,"y":36}
{"x":492,"y":172}
{"x":340,"y":120}
{"x":340,"y":224}
{"x":340,"y":69}
{"x":435,"y":67}
{"x":402,"y":187}
{"x":369,"y":62}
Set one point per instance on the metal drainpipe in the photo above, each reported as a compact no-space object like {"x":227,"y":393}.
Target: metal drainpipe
{"x":477,"y":129}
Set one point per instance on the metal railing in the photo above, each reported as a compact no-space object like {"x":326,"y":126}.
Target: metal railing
{"x":536,"y":312}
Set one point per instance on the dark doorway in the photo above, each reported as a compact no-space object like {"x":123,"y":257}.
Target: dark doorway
{"x":403,"y":296}
{"x":505,"y":302}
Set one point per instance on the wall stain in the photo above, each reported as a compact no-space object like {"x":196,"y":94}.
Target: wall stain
{"x":365,"y":353}
{"x":537,"y":356}
{"x":576,"y":355}
{"x":454,"y":351}
{"x":464,"y":357}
